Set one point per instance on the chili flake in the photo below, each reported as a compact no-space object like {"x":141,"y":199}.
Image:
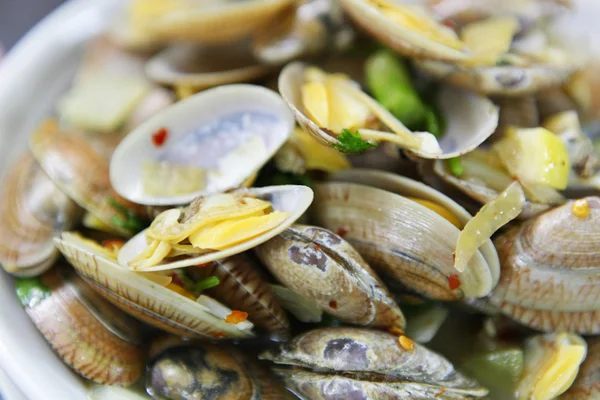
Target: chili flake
{"x":160,"y":137}
{"x":333,"y":304}
{"x":218,"y":335}
{"x":406,"y":343}
{"x":453,"y":282}
{"x":113,"y":245}
{"x":236,"y":317}
{"x":342,"y":232}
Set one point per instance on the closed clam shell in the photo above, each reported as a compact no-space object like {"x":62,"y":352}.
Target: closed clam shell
{"x":498,"y":80}
{"x":587,"y":384}
{"x":33,"y":211}
{"x":550,"y":271}
{"x":98,"y":341}
{"x":371,"y":356}
{"x":322,"y":266}
{"x":143,"y":298}
{"x":401,"y":239}
{"x":470,"y":119}
{"x":204,"y":67}
{"x":80,"y":171}
{"x":242,"y":287}
{"x":397,"y":37}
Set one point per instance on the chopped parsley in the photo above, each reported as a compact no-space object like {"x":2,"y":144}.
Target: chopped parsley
{"x":352,"y":143}
{"x":128,"y":220}
{"x":31,"y":291}
{"x":456,"y":167}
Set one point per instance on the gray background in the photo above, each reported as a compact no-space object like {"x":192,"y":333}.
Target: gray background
{"x":18,"y":16}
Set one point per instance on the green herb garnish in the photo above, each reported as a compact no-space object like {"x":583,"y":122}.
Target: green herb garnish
{"x":352,"y":143}
{"x":434,"y":123}
{"x":207,"y":283}
{"x":128,"y":220}
{"x":31,"y":291}
{"x":456,"y":167}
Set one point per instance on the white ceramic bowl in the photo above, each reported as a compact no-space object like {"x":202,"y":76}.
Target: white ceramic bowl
{"x":32,"y":76}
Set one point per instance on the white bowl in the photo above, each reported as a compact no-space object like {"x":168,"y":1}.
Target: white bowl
{"x":32,"y":76}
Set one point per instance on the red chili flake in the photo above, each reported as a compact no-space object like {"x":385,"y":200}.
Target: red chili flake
{"x":441,"y":393}
{"x":454,"y":282}
{"x":333,"y":304}
{"x":176,"y":279}
{"x":236,"y":317}
{"x":342,"y":232}
{"x":160,"y":137}
{"x":114,"y":244}
{"x":203,"y":265}
{"x":218,"y":335}
{"x":317,"y":247}
{"x":449,"y":23}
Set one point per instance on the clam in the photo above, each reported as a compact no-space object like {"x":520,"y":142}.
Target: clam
{"x":307,"y":28}
{"x":96,"y":340}
{"x":320,"y":265}
{"x":549,"y":269}
{"x":585,"y":386}
{"x":470,"y":118}
{"x":366,"y":364}
{"x":196,"y":371}
{"x":521,"y":111}
{"x":174,"y":226}
{"x":208,"y":143}
{"x":409,"y":29}
{"x":191,"y":68}
{"x":207,"y":22}
{"x":406,"y":231}
{"x":80,"y":170}
{"x":150,"y":297}
{"x":33,"y":211}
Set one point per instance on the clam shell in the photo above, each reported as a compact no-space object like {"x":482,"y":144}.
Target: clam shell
{"x":32,"y":210}
{"x":214,"y":22}
{"x":498,"y":80}
{"x":204,"y":67}
{"x":98,"y":341}
{"x":201,"y":130}
{"x":587,"y":383}
{"x":470,"y":119}
{"x":401,"y":239}
{"x":80,"y":170}
{"x":242,"y":287}
{"x":292,"y":199}
{"x":370,"y":355}
{"x":550,"y":271}
{"x":144,"y":299}
{"x":395,"y":36}
{"x":321,"y":266}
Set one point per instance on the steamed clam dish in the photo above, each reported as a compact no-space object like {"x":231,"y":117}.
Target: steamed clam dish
{"x":317,"y":199}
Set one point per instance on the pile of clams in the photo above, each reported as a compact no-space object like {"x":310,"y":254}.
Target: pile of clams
{"x":319,"y":199}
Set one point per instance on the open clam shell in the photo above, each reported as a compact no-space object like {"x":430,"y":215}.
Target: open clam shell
{"x":321,"y":266}
{"x":293,"y":199}
{"x":209,"y":22}
{"x":404,"y":41}
{"x":366,"y":364}
{"x":203,"y":67}
{"x":402,"y":239}
{"x":143,"y":298}
{"x":98,"y":341}
{"x":81,"y":171}
{"x":226,"y":133}
{"x":498,"y":80}
{"x":550,"y":270}
{"x":470,"y":118}
{"x":33,"y":211}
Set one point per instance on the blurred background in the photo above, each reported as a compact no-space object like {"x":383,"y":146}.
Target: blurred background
{"x":17,"y":16}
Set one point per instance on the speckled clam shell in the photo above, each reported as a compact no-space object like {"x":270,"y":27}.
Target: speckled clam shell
{"x":204,"y":67}
{"x":242,"y":287}
{"x":80,"y":170}
{"x":322,"y":266}
{"x":402,"y":240}
{"x":498,"y":80}
{"x":397,"y":37}
{"x":470,"y":119}
{"x":478,"y":191}
{"x":587,"y":383}
{"x":371,"y":356}
{"x":550,"y":268}
{"x":144,"y":299}
{"x":32,"y":211}
{"x":95,"y":339}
